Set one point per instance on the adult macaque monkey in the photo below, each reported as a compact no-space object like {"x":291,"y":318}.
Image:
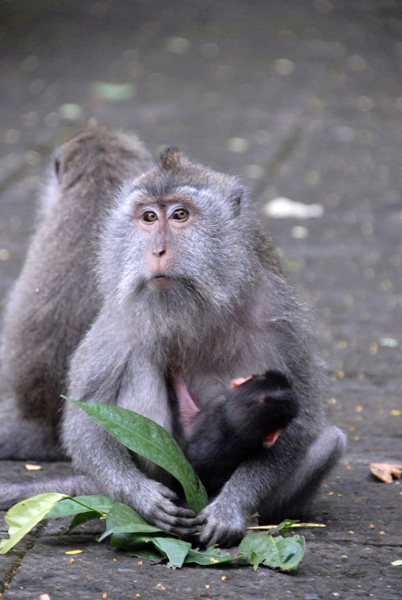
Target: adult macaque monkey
{"x":187,"y":278}
{"x":55,"y":298}
{"x":238,"y":424}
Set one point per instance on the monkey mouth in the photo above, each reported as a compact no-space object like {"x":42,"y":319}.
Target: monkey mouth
{"x":271,"y":438}
{"x":161,"y":282}
{"x":173,"y":283}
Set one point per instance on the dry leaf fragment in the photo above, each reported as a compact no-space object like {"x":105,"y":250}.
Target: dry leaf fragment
{"x":386,"y":471}
{"x":30,"y":467}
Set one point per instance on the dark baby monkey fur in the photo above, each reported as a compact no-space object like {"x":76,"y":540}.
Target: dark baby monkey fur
{"x":237,"y":424}
{"x":184,"y":277}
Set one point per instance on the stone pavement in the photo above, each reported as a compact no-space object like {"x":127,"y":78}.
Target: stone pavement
{"x":303,"y":99}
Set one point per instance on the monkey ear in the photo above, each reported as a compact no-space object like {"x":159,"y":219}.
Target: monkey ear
{"x":56,"y":164}
{"x":236,"y":201}
{"x":170,"y":159}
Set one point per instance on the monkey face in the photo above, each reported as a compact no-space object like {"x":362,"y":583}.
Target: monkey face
{"x":162,"y":222}
{"x":183,"y":228}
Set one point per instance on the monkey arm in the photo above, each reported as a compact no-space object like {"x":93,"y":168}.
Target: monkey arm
{"x":254,"y":483}
{"x":102,"y":370}
{"x":278,"y":484}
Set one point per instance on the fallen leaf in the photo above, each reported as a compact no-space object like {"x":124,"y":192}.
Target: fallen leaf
{"x":114,"y":92}
{"x":283,"y":208}
{"x":386,"y":471}
{"x":389,"y":342}
{"x":33,"y":467}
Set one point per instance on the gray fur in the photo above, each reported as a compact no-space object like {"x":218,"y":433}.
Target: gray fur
{"x":226,"y":311}
{"x":55,"y":298}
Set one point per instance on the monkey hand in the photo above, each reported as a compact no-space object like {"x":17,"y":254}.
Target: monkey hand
{"x":157,"y":504}
{"x":224,"y":524}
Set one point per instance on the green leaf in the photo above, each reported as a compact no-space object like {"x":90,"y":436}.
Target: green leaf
{"x":139,"y":545}
{"x":147,"y":438}
{"x":209,"y":557}
{"x":129,"y":541}
{"x":175,"y":550}
{"x":153,"y":547}
{"x":274,"y":552}
{"x":82,"y":518}
{"x":148,"y":552}
{"x":283,"y":527}
{"x":22,"y":517}
{"x":123,"y":519}
{"x":98,"y":503}
{"x":165,"y":547}
{"x":397,"y":563}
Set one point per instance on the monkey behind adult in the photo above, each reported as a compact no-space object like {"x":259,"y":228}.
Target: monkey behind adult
{"x":55,"y":298}
{"x":186,"y":277}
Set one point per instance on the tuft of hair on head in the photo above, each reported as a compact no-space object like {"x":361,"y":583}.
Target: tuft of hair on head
{"x":170,"y":159}
{"x":92,"y":124}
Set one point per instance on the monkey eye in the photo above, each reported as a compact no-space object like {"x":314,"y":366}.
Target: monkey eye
{"x":180,"y":214}
{"x":150,"y":216}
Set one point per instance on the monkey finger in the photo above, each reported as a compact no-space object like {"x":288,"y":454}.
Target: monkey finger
{"x":181,"y":520}
{"x":177,"y":511}
{"x":176,"y":529}
{"x":225,"y":537}
{"x":164,"y":508}
{"x":209,"y":536}
{"x":176,"y":519}
{"x":201,"y":519}
{"x":220,"y":526}
{"x":166,"y":502}
{"x":167,"y":493}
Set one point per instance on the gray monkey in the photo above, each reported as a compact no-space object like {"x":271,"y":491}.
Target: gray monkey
{"x":186,"y":278}
{"x":55,"y":298}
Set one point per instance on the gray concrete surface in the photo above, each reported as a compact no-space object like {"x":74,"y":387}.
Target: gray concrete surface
{"x":303,"y":99}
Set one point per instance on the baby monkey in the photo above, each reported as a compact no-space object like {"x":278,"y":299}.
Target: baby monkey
{"x":236,"y":425}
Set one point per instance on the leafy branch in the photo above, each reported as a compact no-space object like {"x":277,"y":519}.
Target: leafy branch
{"x":127,"y":529}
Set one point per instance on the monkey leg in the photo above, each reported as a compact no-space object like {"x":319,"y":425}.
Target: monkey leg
{"x":74,"y":485}
{"x":22,"y":439}
{"x":294,"y":496}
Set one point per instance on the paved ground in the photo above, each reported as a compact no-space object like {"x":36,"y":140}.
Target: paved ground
{"x":304,"y":100}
